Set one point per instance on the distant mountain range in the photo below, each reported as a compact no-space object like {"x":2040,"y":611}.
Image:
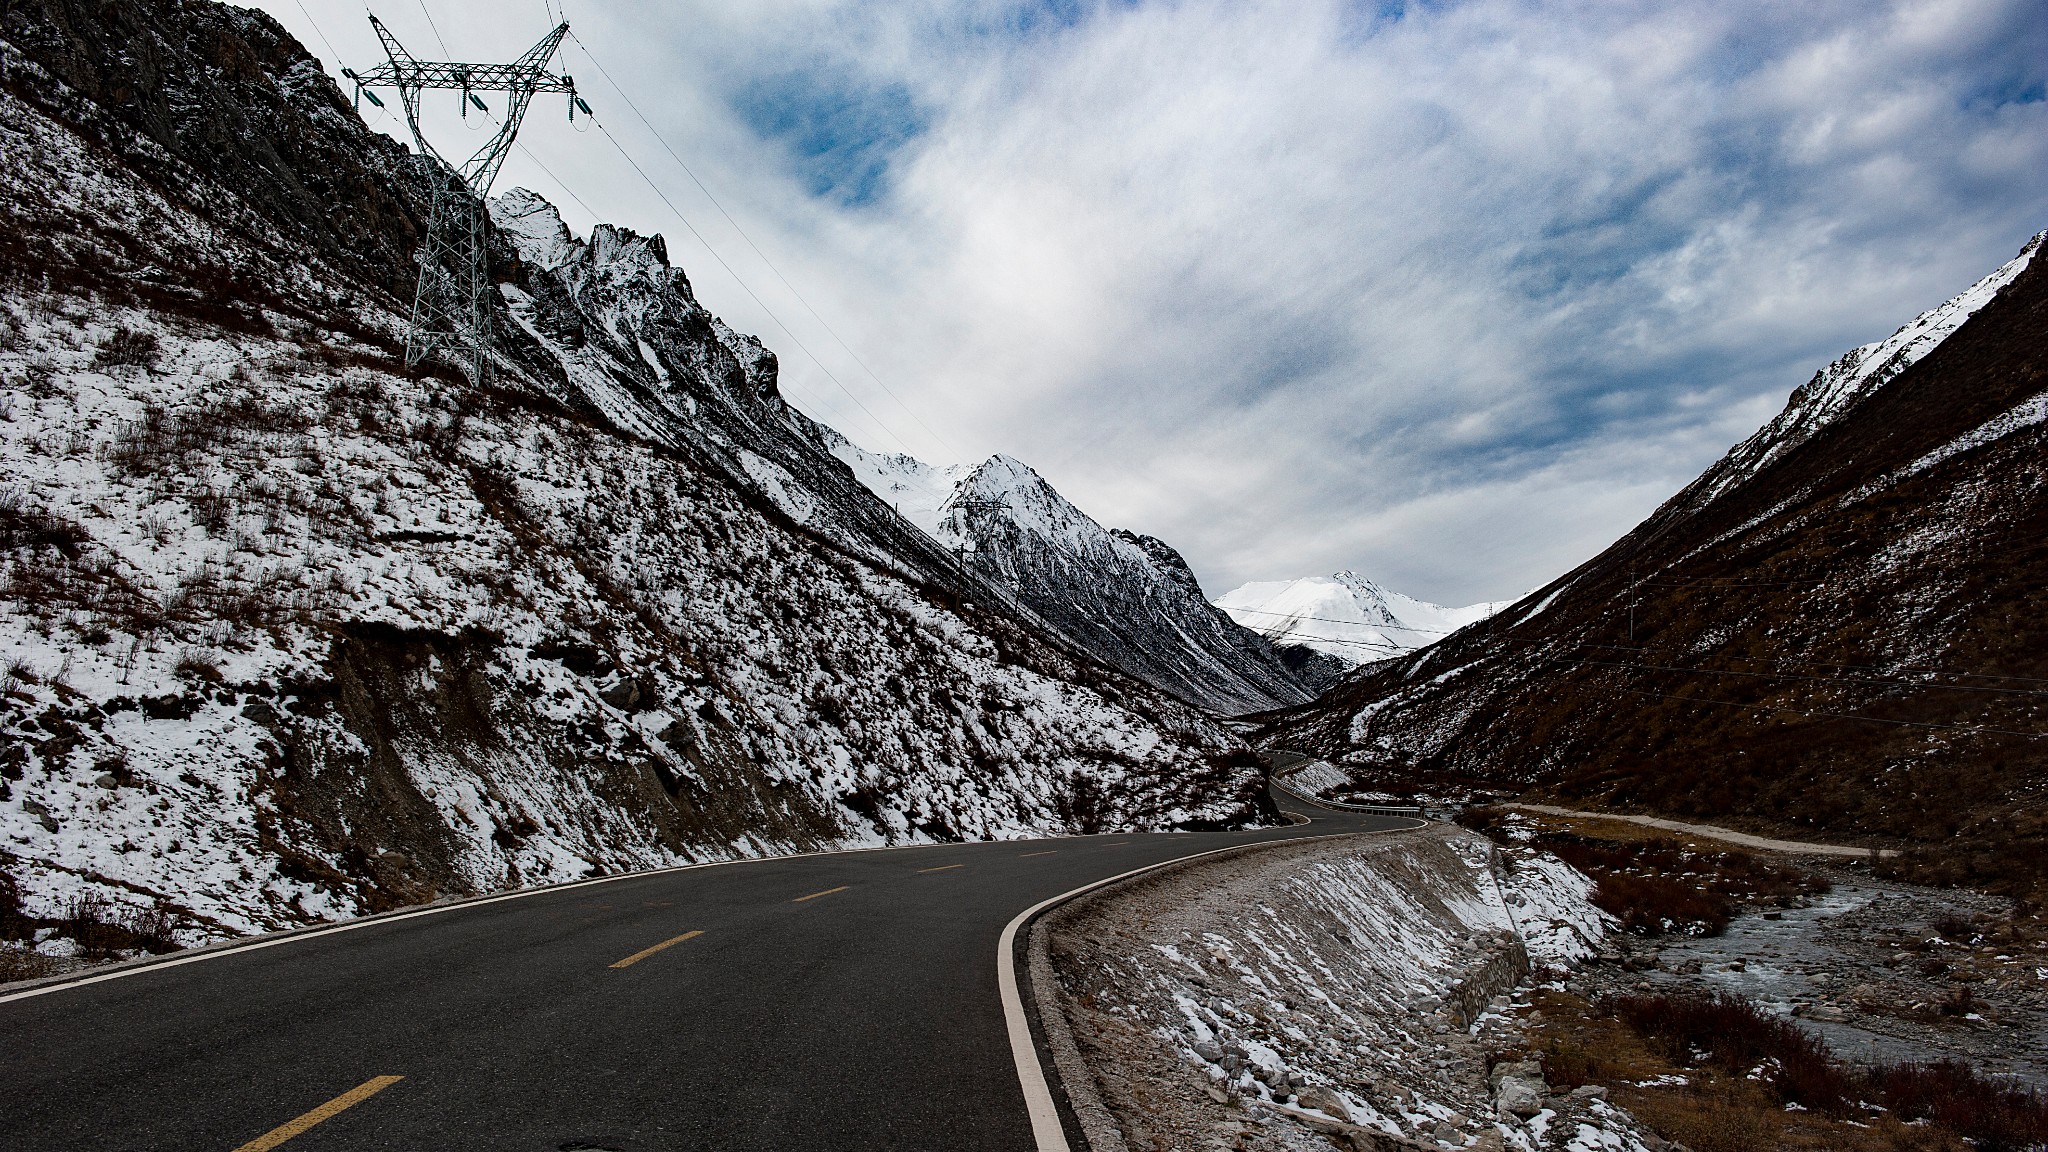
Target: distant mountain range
{"x":1129,"y":599}
{"x":1346,"y":619}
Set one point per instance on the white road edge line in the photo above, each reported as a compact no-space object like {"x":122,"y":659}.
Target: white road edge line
{"x":1046,"y":1129}
{"x":292,"y":936}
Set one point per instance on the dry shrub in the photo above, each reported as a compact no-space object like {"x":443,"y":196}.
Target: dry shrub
{"x":1727,"y":1118}
{"x":1655,"y":884}
{"x":13,"y":925}
{"x":127,"y":346}
{"x":1995,"y":1117}
{"x":25,"y":527}
{"x":1735,"y":1036}
{"x":103,"y":928}
{"x":1732,"y":1035}
{"x":200,"y":665}
{"x":1655,"y":904}
{"x":18,"y":963}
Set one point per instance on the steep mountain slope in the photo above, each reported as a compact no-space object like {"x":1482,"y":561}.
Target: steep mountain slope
{"x":1128,"y":599}
{"x":1838,"y":627}
{"x":1345,"y":616}
{"x":293,"y":632}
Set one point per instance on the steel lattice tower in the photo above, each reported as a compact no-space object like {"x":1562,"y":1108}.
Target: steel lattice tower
{"x":451,"y":312}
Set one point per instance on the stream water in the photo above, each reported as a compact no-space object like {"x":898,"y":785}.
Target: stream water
{"x":1830,"y":961}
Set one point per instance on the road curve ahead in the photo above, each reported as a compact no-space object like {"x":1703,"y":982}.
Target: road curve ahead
{"x":840,"y":1001}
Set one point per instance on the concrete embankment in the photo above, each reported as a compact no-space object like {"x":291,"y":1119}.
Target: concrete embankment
{"x":1342,"y":991}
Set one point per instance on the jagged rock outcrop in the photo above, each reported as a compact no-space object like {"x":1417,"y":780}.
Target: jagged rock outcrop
{"x":1838,"y":628}
{"x":294,"y":632}
{"x":1128,"y":599}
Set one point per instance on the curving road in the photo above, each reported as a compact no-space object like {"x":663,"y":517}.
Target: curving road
{"x":838,"y":1001}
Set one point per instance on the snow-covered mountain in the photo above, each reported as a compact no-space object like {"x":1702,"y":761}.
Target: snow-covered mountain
{"x":1837,"y":628}
{"x":1854,"y":375}
{"x":1346,"y":616}
{"x":1325,"y":626}
{"x":1129,"y":599}
{"x":292,"y":631}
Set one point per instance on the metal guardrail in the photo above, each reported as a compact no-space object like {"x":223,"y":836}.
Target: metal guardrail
{"x":1409,"y":810}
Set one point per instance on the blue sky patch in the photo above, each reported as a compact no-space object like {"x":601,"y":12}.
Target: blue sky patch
{"x":841,"y":130}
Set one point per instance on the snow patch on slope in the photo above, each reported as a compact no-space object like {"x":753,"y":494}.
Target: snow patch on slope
{"x":1856,"y":374}
{"x":1129,"y":599}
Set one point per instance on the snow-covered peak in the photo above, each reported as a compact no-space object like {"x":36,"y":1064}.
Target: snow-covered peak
{"x":1129,"y":599}
{"x":1031,"y":506}
{"x":918,"y":491}
{"x":612,"y":255}
{"x":535,"y":228}
{"x":1346,"y":615}
{"x":1854,"y":375}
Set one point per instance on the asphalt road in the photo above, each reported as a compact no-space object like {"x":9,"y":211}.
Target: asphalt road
{"x":841,"y":1001}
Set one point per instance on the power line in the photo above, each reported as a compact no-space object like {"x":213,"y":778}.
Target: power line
{"x":663,"y":140}
{"x":743,"y":284}
{"x":564,"y":186}
{"x":571,"y":192}
{"x":1387,"y":646}
{"x":1772,"y":708}
{"x":436,"y":28}
{"x":319,"y":33}
{"x":777,"y":320}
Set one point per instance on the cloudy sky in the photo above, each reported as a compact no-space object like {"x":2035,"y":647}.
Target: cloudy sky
{"x":1450,"y":293}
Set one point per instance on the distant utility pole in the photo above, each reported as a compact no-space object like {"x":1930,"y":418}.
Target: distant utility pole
{"x":451,"y":306}
{"x":967,"y":553}
{"x":1631,"y":604}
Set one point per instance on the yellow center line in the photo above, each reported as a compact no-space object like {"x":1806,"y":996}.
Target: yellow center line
{"x":327,"y":1111}
{"x":1047,"y":852}
{"x":644,"y":953}
{"x":826,"y":892}
{"x":942,"y":868}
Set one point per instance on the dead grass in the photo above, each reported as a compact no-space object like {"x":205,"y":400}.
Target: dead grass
{"x":19,"y":963}
{"x":104,"y":929}
{"x":126,"y":346}
{"x":1653,"y":882}
{"x":1701,"y":1103}
{"x":1734,"y":1037}
{"x":1730,"y":1038}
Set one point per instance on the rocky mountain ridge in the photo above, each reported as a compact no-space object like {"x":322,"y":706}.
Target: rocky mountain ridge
{"x":1127,"y":598}
{"x":296,"y":633}
{"x":1837,"y":630}
{"x":1346,"y":619}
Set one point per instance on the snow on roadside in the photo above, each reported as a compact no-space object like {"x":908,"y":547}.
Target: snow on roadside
{"x":1349,"y":989}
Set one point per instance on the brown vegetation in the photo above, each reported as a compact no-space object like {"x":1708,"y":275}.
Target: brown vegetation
{"x":1656,"y":884}
{"x":1733,"y":1036}
{"x":125,"y":346}
{"x":104,"y":929}
{"x":1693,"y":1098}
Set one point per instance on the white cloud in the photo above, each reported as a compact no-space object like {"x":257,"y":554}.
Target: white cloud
{"x":1452,"y":299}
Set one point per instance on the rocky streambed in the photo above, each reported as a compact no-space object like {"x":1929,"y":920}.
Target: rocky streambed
{"x":1884,"y":972}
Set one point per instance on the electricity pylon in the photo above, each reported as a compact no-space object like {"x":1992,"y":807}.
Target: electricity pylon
{"x":967,"y":551}
{"x":451,"y":306}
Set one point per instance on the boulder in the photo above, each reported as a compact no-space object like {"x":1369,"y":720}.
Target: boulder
{"x":1519,"y":1097}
